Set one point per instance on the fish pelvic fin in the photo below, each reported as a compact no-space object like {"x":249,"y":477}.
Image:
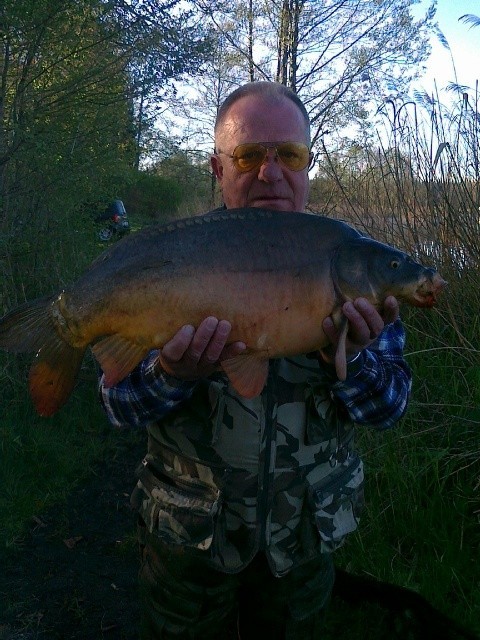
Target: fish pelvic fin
{"x":341,"y":351}
{"x":52,"y":375}
{"x":247,"y":373}
{"x":117,"y":356}
{"x":27,"y":327}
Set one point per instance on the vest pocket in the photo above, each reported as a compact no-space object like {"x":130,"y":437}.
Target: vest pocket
{"x":337,"y":501}
{"x":178,"y":515}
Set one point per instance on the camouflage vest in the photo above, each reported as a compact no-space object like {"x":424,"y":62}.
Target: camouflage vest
{"x":227,"y":477}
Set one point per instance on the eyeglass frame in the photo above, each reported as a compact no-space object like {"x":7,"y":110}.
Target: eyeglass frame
{"x":267,"y":146}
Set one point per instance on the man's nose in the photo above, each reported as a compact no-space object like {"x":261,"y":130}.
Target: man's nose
{"x":270,"y":169}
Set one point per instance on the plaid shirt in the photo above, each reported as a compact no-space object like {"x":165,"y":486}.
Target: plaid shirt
{"x":375,"y":392}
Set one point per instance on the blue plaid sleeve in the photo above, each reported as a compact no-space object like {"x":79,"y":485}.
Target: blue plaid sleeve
{"x":378,"y":383}
{"x":143,"y":396}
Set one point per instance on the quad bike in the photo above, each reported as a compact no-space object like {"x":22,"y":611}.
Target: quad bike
{"x":114,"y":221}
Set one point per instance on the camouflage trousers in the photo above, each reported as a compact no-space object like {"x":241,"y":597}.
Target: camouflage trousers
{"x":184,"y":598}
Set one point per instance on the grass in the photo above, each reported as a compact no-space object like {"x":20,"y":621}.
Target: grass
{"x":43,"y":459}
{"x":420,"y":529}
{"x":421,"y":526}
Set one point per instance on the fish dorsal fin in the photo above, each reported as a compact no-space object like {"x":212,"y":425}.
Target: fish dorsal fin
{"x":247,"y":373}
{"x":52,"y":376}
{"x":117,"y":357}
{"x":341,"y":351}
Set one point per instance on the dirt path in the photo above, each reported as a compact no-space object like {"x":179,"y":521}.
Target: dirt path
{"x":75,"y":576}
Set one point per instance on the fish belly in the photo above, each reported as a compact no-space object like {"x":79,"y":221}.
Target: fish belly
{"x":275,"y":313}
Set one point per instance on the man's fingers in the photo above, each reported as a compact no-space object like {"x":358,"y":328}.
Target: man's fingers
{"x":367,"y":322}
{"x":205,"y":344}
{"x":217,"y":342}
{"x":175,"y":349}
{"x":329,"y":329}
{"x":391,"y":310}
{"x":201,"y":339}
{"x":232,"y":350}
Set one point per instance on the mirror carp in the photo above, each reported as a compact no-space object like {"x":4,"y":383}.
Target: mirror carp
{"x":274,"y":275}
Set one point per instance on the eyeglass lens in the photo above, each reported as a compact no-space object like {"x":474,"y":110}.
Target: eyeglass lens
{"x":293,"y":155}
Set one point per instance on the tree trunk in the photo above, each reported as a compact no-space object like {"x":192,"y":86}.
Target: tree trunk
{"x":287,"y":48}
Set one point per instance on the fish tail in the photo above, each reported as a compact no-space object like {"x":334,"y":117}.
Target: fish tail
{"x":55,"y":368}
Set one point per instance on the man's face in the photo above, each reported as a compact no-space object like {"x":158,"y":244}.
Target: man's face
{"x":272,"y":185}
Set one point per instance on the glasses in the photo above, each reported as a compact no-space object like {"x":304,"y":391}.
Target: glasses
{"x":247,"y":157}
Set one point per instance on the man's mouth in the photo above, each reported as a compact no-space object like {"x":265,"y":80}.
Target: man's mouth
{"x":269,"y":198}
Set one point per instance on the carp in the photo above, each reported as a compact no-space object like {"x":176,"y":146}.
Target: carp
{"x":274,"y":275}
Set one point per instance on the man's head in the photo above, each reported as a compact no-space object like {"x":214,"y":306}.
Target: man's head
{"x":270,"y":114}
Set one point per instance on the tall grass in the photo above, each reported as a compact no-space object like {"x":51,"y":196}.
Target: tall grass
{"x":418,"y":188}
{"x":42,"y":459}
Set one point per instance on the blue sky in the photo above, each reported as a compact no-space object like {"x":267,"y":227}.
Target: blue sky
{"x":464,"y":41}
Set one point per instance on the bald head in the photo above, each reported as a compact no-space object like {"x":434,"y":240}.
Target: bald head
{"x":268,"y":92}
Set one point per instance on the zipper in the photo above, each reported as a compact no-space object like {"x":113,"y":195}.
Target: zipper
{"x":337,"y":481}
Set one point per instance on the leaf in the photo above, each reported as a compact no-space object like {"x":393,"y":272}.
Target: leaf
{"x":423,"y":98}
{"x":441,"y":147}
{"x":442,"y":39}
{"x":469,"y":18}
{"x":454,"y":87}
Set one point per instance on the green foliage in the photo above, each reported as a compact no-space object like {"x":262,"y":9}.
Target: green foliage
{"x":420,"y":191}
{"x":73,"y":76}
{"x":42,"y":459}
{"x":193,"y":177}
{"x":420,"y":527}
{"x":152,"y":197}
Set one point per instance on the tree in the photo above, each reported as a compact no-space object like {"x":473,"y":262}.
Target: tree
{"x":338,"y":56}
{"x":161,"y":44}
{"x":66,"y":65}
{"x":71,"y":73}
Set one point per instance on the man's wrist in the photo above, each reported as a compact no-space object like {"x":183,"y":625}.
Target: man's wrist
{"x":157,"y":368}
{"x":157,"y":377}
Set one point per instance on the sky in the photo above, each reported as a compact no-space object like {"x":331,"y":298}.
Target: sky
{"x":464,"y":41}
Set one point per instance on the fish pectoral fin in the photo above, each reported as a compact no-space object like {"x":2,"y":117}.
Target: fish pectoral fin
{"x":117,"y":356}
{"x":341,"y":351}
{"x":247,"y":373}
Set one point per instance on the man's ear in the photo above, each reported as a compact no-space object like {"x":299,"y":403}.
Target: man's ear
{"x":217,"y":167}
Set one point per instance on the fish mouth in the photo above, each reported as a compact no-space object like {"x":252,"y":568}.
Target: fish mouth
{"x":427,"y":291}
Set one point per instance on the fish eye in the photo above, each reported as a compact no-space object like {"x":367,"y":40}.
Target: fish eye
{"x":395,"y":263}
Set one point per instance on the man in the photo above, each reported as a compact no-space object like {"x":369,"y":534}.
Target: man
{"x":241,"y":502}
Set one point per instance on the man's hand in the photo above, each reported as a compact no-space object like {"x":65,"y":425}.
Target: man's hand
{"x":193,"y":354}
{"x":365,"y":325}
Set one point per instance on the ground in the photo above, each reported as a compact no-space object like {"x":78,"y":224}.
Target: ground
{"x":75,"y":574}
